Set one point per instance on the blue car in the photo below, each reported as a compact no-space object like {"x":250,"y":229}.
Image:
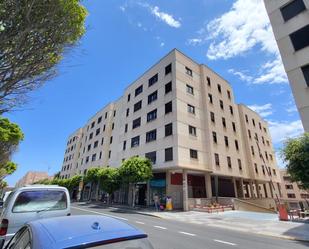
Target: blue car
{"x":81,"y":231}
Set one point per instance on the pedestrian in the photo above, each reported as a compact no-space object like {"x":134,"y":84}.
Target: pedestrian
{"x":156,"y":202}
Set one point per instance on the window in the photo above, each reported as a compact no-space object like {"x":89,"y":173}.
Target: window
{"x":300,"y":38}
{"x":305,"y":70}
{"x":99,"y":120}
{"x":95,"y":145}
{"x":124,"y":145}
{"x":271,"y":157}
{"x":212,"y":117}
{"x":208,"y":81}
{"x":169,"y":154}
{"x":99,"y":156}
{"x":263,"y":169}
{"x":228,"y":94}
{"x":291,"y":196}
{"x":87,"y":159}
{"x":217,"y":160}
{"x":288,"y":186}
{"x":263,"y":140}
{"x":226,"y":141}
{"x":138,"y":90}
{"x":210,"y":98}
{"x":223,"y":123}
{"x":190,"y":89}
{"x":168,"y":87}
{"x":136,"y":123}
{"x":49,"y":199}
{"x":189,"y":71}
{"x":221,"y":105}
{"x":266,"y":155}
{"x":103,"y":127}
{"x":260,"y":126}
{"x":109,"y":154}
{"x":91,"y":136}
{"x":152,"y":97}
{"x":151,"y":136}
{"x":191,"y":109}
{"x":152,"y":115}
{"x":135,"y":141}
{"x":239,"y":164}
{"x":168,"y":107}
{"x":274,"y":172}
{"x":214,"y":137}
{"x":193,"y":154}
{"x":219,"y":88}
{"x":113,"y":126}
{"x":114,"y":114}
{"x":231,"y":110}
{"x":292,"y":9}
{"x":256,"y":137}
{"x":126,"y":128}
{"x":234,"y":126}
{"x":236,"y":145}
{"x":169,"y":129}
{"x":192,"y":130}
{"x":256,"y":168}
{"x":153,"y":80}
{"x":105,"y":115}
{"x":92,"y":124}
{"x":128,"y":112}
{"x":97,"y":132}
{"x":129,"y":97}
{"x":137,"y":106}
{"x":152,"y":156}
{"x":111,"y":140}
{"x":168,"y":69}
{"x":229,"y":162}
{"x":102,"y":141}
{"x":252,"y":150}
{"x":249,"y":134}
{"x":93,"y":158}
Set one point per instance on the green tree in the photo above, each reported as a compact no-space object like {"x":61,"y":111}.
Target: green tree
{"x":109,"y":180}
{"x":134,"y":170}
{"x":296,"y":154}
{"x":34,"y":34}
{"x":92,"y":176}
{"x":10,"y":137}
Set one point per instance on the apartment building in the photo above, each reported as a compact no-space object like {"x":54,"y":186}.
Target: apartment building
{"x":293,"y":194}
{"x":183,"y":117}
{"x":31,"y":177}
{"x":290,"y":23}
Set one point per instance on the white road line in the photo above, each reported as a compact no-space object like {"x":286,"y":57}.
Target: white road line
{"x":225,"y":242}
{"x":190,"y":234}
{"x":90,"y":211}
{"x":164,"y":228}
{"x":139,"y":222}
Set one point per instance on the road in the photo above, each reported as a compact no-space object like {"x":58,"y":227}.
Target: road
{"x":168,"y":234}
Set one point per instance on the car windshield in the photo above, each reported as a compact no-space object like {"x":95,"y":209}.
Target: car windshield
{"x":40,"y":200}
{"x":128,"y":244}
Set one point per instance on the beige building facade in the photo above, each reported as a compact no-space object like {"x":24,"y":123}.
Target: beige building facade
{"x":290,"y":23}
{"x":31,"y":177}
{"x":183,"y":117}
{"x":293,"y":193}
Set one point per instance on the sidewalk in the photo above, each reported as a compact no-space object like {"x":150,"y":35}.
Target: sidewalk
{"x":259,"y":223}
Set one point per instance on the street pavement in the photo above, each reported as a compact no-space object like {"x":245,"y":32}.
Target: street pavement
{"x":170,"y":234}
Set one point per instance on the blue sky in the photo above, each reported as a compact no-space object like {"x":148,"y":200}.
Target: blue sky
{"x":124,"y":38}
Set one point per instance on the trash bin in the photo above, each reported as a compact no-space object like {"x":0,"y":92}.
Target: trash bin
{"x":283,"y":214}
{"x":169,"y":205}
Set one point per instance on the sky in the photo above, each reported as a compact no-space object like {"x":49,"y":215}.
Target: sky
{"x":124,"y":38}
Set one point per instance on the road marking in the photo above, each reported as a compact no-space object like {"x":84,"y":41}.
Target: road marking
{"x":190,"y":234}
{"x":90,"y":211}
{"x":225,"y":242}
{"x":164,"y":228}
{"x":139,"y":222}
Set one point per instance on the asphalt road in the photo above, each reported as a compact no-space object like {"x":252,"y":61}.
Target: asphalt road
{"x":168,"y":234}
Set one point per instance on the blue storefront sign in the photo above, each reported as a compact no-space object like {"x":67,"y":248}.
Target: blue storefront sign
{"x":159,"y":183}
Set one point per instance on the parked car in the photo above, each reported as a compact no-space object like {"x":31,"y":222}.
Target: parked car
{"x":4,"y":197}
{"x":81,"y":231}
{"x":31,"y":203}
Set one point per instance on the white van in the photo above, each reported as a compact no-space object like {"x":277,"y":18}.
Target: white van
{"x":31,"y":203}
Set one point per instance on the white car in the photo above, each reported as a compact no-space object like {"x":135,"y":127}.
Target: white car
{"x":31,"y":203}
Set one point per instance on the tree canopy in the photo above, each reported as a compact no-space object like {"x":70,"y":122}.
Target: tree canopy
{"x":136,"y":169}
{"x":34,"y":34}
{"x":109,"y":179}
{"x":296,"y":154}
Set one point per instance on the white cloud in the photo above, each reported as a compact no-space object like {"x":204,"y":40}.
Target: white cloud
{"x":162,"y":44}
{"x":165,"y":17}
{"x":242,"y":76}
{"x":279,"y":160}
{"x":291,"y":109}
{"x":263,"y":110}
{"x":280,"y":131}
{"x":194,"y":41}
{"x":122,"y":8}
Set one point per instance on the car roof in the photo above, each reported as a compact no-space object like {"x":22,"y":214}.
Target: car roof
{"x":40,"y":186}
{"x":71,"y":231}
